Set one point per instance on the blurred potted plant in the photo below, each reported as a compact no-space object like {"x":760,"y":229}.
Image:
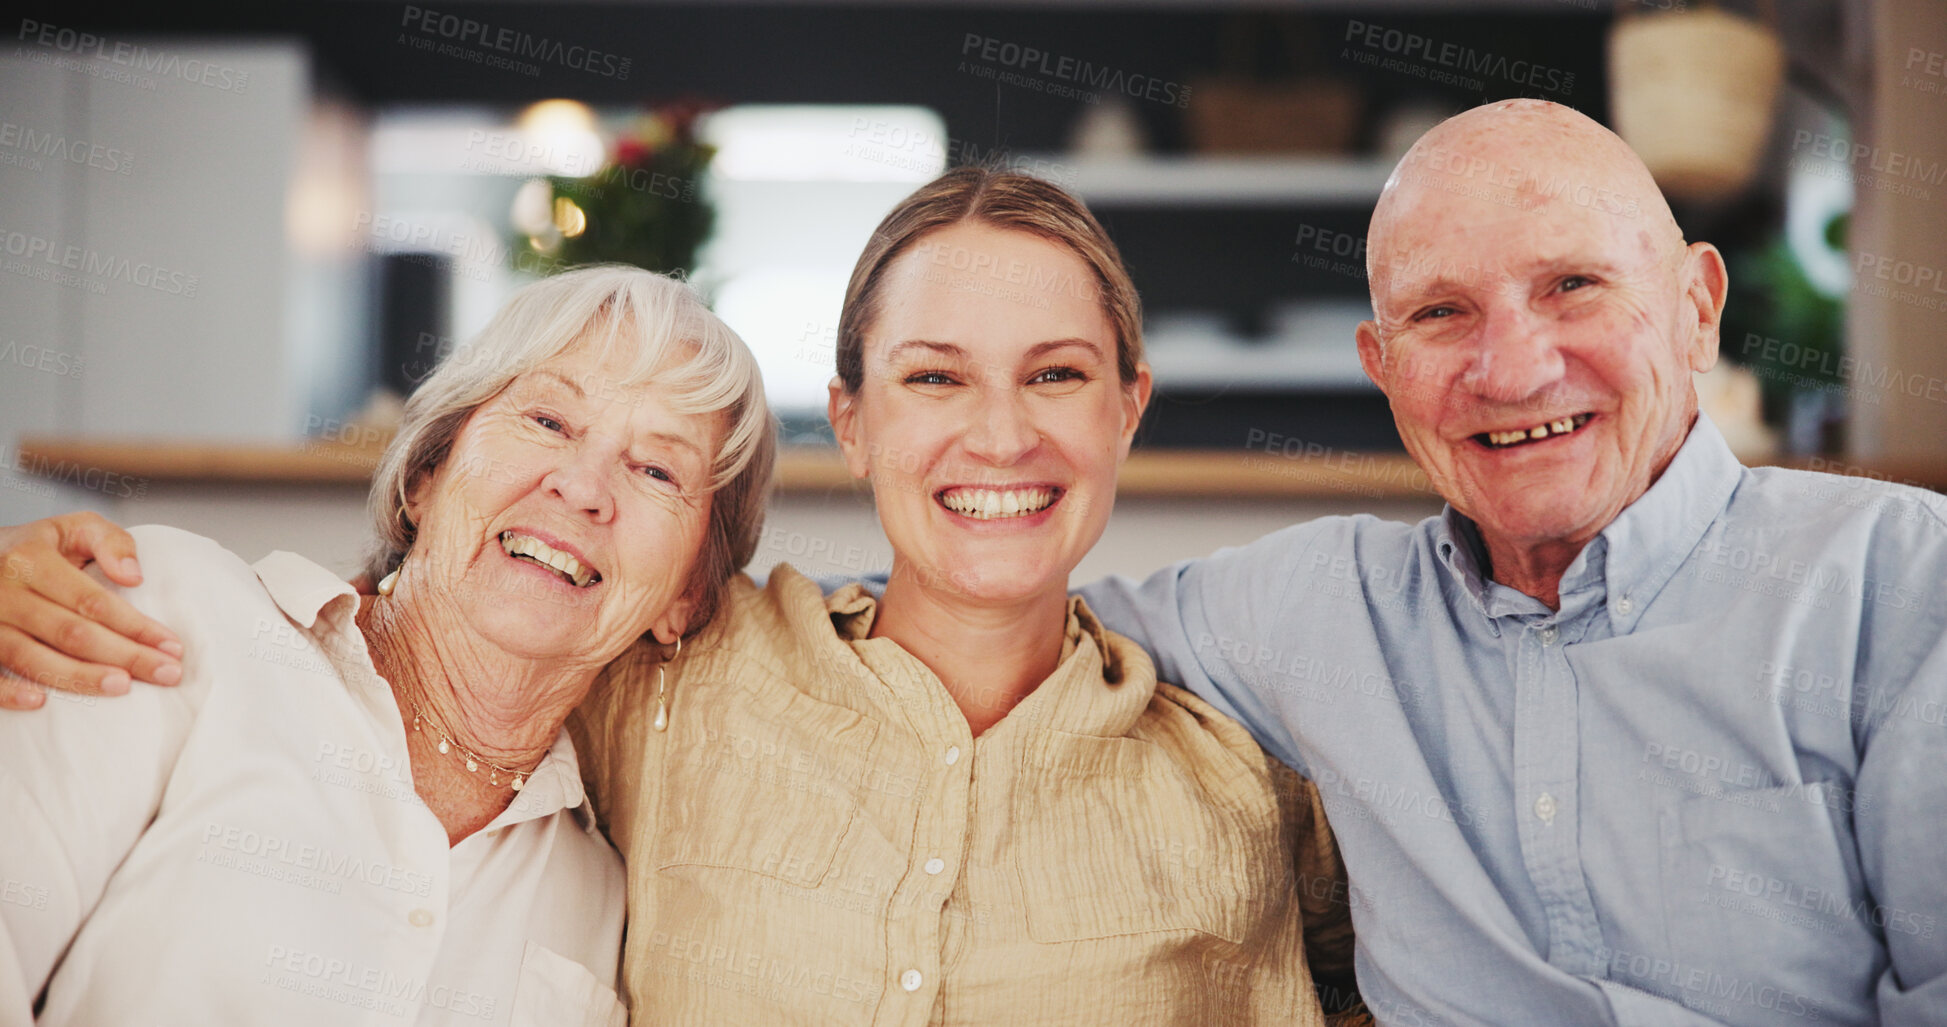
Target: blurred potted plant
{"x":644,"y":206}
{"x":1792,"y":337}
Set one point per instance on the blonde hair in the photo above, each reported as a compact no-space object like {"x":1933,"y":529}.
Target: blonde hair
{"x":1002,"y":199}
{"x":659,"y":318}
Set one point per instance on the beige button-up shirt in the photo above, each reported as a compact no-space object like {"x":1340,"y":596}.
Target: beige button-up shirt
{"x":818,"y":839}
{"x":248,"y":848}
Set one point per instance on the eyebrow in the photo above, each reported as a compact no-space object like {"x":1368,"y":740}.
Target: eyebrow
{"x":573,"y":386}
{"x":1416,"y":293}
{"x":674,"y":440}
{"x":945,"y":349}
{"x":667,"y":438}
{"x":1043,"y":348}
{"x":1419,"y":293}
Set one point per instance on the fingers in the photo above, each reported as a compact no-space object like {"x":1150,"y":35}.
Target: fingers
{"x":16,"y":694}
{"x":89,"y":536}
{"x":59,"y":582}
{"x":41,"y":666}
{"x":61,"y":627}
{"x":84,"y":638}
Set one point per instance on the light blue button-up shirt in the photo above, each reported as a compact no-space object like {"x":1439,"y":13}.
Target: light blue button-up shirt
{"x":1712,"y":787}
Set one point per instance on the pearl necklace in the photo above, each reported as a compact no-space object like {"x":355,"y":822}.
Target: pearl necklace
{"x":473,"y":759}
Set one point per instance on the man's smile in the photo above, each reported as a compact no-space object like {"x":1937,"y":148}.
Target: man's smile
{"x":1506,"y":438}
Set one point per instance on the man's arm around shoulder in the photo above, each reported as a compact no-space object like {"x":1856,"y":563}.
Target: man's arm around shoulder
{"x":1205,"y":620}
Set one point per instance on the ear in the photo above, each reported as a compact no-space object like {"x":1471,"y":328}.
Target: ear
{"x":675,"y":620}
{"x":1135,"y":400}
{"x":419,"y":493}
{"x":1371,"y":356}
{"x":843,"y":409}
{"x":1707,"y":282}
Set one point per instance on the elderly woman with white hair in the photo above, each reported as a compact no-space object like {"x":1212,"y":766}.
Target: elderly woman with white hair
{"x":365,"y":808}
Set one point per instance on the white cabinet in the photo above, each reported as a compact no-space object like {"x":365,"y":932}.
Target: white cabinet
{"x":143,"y":194}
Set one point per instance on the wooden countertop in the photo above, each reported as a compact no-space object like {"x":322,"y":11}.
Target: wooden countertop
{"x":809,"y":470}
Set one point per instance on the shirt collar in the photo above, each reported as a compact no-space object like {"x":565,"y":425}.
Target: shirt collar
{"x":1637,"y":553}
{"x":852,"y":610}
{"x":1459,"y":547}
{"x":301,"y":588}
{"x":308,"y":593}
{"x":1100,"y":687}
{"x":1646,"y":544}
{"x":555,"y":785}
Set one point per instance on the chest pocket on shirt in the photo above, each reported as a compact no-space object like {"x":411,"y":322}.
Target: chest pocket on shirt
{"x":763,"y":781}
{"x":1116,"y":838}
{"x":1758,"y":886}
{"x":556,"y":991}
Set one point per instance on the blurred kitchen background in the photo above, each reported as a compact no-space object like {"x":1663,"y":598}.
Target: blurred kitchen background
{"x":234,"y":236}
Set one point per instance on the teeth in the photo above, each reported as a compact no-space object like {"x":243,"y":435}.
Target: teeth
{"x":1539,"y":431}
{"x":989,"y":504}
{"x":540,"y":552}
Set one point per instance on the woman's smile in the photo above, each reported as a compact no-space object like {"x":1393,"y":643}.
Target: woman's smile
{"x":550,"y":556}
{"x":1025,"y":505}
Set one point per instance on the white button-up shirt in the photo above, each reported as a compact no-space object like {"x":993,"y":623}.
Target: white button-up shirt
{"x":248,"y":848}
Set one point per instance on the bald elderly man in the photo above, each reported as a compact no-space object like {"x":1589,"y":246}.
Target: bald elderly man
{"x":1630,"y":734}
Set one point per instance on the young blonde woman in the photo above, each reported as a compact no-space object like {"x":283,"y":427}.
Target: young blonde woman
{"x":964,"y":801}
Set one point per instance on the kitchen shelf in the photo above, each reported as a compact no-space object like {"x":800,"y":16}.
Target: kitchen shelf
{"x":1227,"y":181}
{"x":808,"y":470}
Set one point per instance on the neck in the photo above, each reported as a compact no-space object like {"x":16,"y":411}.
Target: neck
{"x":1535,"y":570}
{"x":990,"y":656}
{"x":506,"y":708}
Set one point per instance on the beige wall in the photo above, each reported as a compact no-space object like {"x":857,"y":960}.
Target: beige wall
{"x":1903,"y":328}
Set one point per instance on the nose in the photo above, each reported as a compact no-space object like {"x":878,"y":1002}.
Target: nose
{"x":1515,"y":357}
{"x":1003,"y":431}
{"x":581,"y":481}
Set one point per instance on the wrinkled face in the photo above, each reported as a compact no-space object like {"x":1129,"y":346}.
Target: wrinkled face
{"x":567,"y":518}
{"x":991,"y":420}
{"x":1538,"y":361}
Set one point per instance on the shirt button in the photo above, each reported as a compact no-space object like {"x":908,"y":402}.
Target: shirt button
{"x":420,"y":918}
{"x":1623,"y":606}
{"x":952,"y":755}
{"x":910,"y":980}
{"x":935,"y":865}
{"x":1545,"y":808}
{"x":1548,"y":635}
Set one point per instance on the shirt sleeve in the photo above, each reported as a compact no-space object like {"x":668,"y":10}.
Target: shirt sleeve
{"x":80,"y":780}
{"x":1324,"y":894}
{"x":1900,"y":799}
{"x":1205,"y":621}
